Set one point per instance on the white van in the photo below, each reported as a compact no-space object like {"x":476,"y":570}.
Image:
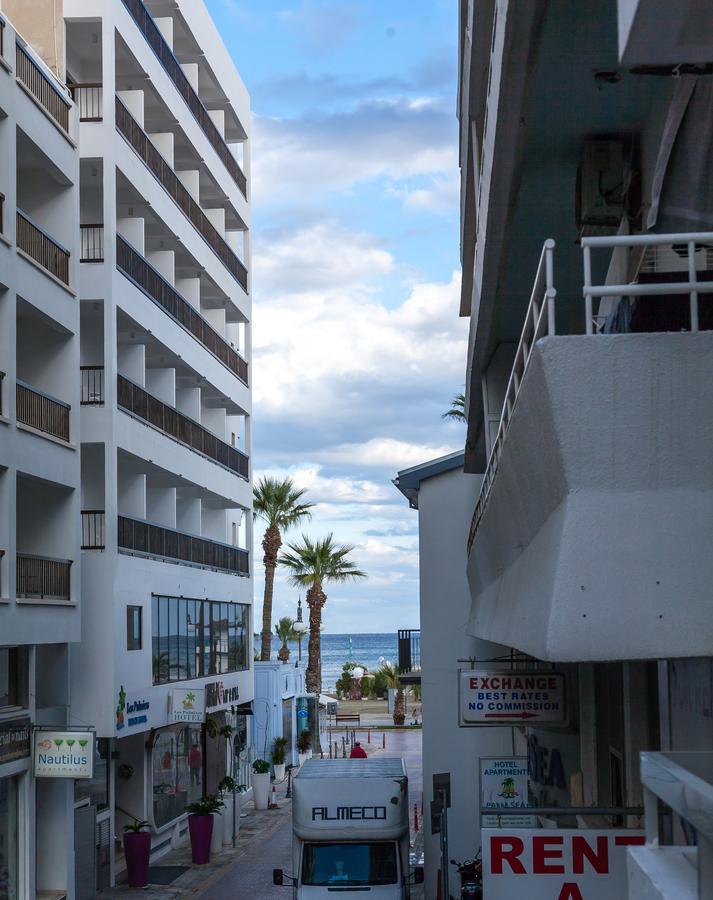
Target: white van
{"x":350,"y":830}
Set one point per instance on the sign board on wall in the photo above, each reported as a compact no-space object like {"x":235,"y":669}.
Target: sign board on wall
{"x":187,"y":705}
{"x":132,"y":712}
{"x":558,"y":864}
{"x":221,"y":694}
{"x":14,"y":740}
{"x":504,"y":785}
{"x":63,"y":754}
{"x":511,"y":698}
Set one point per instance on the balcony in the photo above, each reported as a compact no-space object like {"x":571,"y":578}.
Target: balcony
{"x":91,"y":243}
{"x":43,"y":249}
{"x":601,"y":431}
{"x":130,"y":129}
{"x":93,"y":529}
{"x":148,"y":539}
{"x":165,"y":55}
{"x":89,"y":98}
{"x":135,"y":400}
{"x":409,"y":644}
{"x":42,"y":412}
{"x":43,"y":578}
{"x":38,"y":84}
{"x":91,"y":384}
{"x":137,"y":269}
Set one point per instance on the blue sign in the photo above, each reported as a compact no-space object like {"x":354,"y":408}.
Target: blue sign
{"x":302,"y":713}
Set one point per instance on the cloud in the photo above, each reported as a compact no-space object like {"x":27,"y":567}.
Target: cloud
{"x":315,"y":152}
{"x":383,"y":452}
{"x":327,"y":491}
{"x":438,"y":194}
{"x":322,"y":28}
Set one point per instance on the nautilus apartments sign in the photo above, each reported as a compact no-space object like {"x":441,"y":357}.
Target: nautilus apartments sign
{"x":63,"y":754}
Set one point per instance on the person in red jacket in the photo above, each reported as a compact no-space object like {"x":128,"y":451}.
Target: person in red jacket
{"x":358,"y":751}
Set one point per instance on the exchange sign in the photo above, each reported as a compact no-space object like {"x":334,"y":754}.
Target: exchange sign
{"x":561,"y":864}
{"x":512,"y":698}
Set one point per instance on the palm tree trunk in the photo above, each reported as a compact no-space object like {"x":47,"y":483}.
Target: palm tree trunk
{"x":399,"y":707}
{"x":271,"y":543}
{"x":315,"y":601}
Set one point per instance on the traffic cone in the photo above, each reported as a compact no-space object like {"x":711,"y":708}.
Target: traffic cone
{"x":273,"y":799}
{"x":439,"y":895}
{"x":415,"y":817}
{"x":368,"y":736}
{"x":383,"y":741}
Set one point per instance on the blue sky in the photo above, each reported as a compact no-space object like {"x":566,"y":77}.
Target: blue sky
{"x":357,"y":344}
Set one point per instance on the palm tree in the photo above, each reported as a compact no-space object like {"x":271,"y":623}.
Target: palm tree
{"x":277,"y":502}
{"x":285,"y":630}
{"x":312,"y":564}
{"x":392,"y":680}
{"x":457,"y":410}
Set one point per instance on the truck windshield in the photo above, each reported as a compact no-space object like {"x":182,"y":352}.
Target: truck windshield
{"x":349,"y":864}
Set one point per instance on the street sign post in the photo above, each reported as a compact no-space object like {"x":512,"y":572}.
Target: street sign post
{"x":511,"y":698}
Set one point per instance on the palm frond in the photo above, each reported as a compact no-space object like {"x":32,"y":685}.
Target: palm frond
{"x":277,"y":502}
{"x":319,"y":561}
{"x":457,"y":410}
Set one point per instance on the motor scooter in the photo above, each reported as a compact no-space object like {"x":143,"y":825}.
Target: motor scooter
{"x":471,"y":877}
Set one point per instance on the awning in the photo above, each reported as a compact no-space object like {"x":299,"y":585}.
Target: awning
{"x":244,"y":709}
{"x":324,"y":699}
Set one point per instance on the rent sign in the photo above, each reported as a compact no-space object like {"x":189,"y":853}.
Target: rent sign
{"x":561,"y":864}
{"x":511,"y":698}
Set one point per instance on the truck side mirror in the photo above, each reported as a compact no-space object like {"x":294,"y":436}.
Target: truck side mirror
{"x":418,"y":875}
{"x":277,"y":877}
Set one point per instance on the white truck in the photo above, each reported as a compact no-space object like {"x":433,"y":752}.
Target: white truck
{"x":350,"y":830}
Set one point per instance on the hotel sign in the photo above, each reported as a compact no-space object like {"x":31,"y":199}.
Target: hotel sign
{"x":504,"y":785}
{"x":511,"y":698}
{"x":15,"y":738}
{"x":187,"y":705}
{"x":63,"y":754}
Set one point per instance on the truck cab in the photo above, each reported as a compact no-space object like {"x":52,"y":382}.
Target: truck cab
{"x":350,"y":830}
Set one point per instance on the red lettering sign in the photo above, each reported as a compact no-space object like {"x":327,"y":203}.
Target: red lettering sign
{"x":540,"y":855}
{"x":500,"y":854}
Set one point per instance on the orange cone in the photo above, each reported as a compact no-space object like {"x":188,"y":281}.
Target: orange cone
{"x":383,"y":741}
{"x":368,"y":736}
{"x":273,"y":799}
{"x":415,"y":817}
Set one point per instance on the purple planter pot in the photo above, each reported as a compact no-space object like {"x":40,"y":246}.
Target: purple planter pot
{"x":137,"y":849}
{"x":201,"y":831}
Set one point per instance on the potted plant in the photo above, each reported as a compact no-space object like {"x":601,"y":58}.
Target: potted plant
{"x":279,"y":749}
{"x":230,"y":791}
{"x":261,"y":783}
{"x":137,"y":850}
{"x":304,"y":745}
{"x":200,"y":826}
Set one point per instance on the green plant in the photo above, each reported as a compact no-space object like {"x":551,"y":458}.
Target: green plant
{"x":279,"y":748}
{"x":229,"y":784}
{"x":261,"y":766}
{"x":380,"y":685}
{"x":205,"y":806}
{"x":136,"y":826}
{"x":304,"y":741}
{"x":344,"y":685}
{"x":286,"y":632}
{"x":125,"y":771}
{"x":457,"y":410}
{"x":213,"y":731}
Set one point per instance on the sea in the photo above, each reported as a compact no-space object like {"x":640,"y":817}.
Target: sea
{"x":366,"y":649}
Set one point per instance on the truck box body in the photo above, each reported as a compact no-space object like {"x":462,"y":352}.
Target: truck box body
{"x":351,"y":828}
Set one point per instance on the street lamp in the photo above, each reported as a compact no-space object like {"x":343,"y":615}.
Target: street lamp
{"x":299,"y":627}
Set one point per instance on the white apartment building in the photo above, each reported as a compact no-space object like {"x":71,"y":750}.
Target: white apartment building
{"x":586,"y":241}
{"x":125,"y":436}
{"x":40,"y":572}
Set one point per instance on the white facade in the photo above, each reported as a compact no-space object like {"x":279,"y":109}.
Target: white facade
{"x":40,"y":572}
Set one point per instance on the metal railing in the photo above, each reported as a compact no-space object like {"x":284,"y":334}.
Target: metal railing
{"x":409,"y":646}
{"x":45,"y":251}
{"x":41,"y":88}
{"x":2,"y":213}
{"x":91,"y":385}
{"x":147,"y":538}
{"x":134,"y":399}
{"x":166,"y":57}
{"x":42,"y":412}
{"x":89,"y":97}
{"x":130,"y":129}
{"x":91,"y":243}
{"x":43,"y":577}
{"x":93,"y":529}
{"x":139,"y":270}
{"x":2,"y":379}
{"x":539,"y":320}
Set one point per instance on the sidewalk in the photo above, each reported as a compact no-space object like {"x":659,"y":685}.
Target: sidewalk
{"x":196,"y":881}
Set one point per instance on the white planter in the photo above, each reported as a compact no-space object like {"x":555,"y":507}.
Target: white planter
{"x":216,"y":839}
{"x":261,"y":790}
{"x":279,"y":771}
{"x":228,"y":817}
{"x":303,"y":756}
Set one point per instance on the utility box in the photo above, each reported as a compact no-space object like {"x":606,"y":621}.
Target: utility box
{"x":601,"y":187}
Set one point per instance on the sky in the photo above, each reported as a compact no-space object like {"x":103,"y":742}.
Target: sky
{"x":357,"y":343}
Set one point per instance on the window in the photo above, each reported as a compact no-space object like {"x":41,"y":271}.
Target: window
{"x":133,"y":627}
{"x":177,"y":770}
{"x":95,"y":789}
{"x":9,"y":857}
{"x":193,"y":638}
{"x":13,"y":676}
{"x":349,"y":865}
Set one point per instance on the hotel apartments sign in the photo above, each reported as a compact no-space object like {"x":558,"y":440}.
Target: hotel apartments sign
{"x":561,"y":864}
{"x":511,"y":698}
{"x":63,"y":754}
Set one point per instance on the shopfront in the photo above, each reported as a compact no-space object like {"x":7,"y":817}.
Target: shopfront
{"x":14,"y":827}
{"x":176,"y":772}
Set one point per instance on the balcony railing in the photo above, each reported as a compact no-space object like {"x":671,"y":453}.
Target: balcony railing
{"x":409,"y":644}
{"x":135,"y":400}
{"x":41,"y":88}
{"x":89,"y":97}
{"x":130,"y":262}
{"x":93,"y":529}
{"x":91,"y":385}
{"x":92,"y":243}
{"x":2,"y":379}
{"x":146,"y":538}
{"x":42,"y":412}
{"x":42,"y":577}
{"x":657,"y":277}
{"x":45,"y":251}
{"x":157,"y":42}
{"x":174,"y":187}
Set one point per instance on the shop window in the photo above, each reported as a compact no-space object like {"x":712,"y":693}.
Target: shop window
{"x":193,"y":638}
{"x":177,"y":771}
{"x":133,"y":627}
{"x":8,"y":838}
{"x":95,"y":789}
{"x":13,"y":676}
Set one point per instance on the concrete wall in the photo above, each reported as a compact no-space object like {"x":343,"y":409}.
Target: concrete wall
{"x":445,"y":507}
{"x":41,"y":23}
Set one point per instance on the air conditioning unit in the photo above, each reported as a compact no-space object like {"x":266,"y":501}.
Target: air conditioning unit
{"x":601,"y":187}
